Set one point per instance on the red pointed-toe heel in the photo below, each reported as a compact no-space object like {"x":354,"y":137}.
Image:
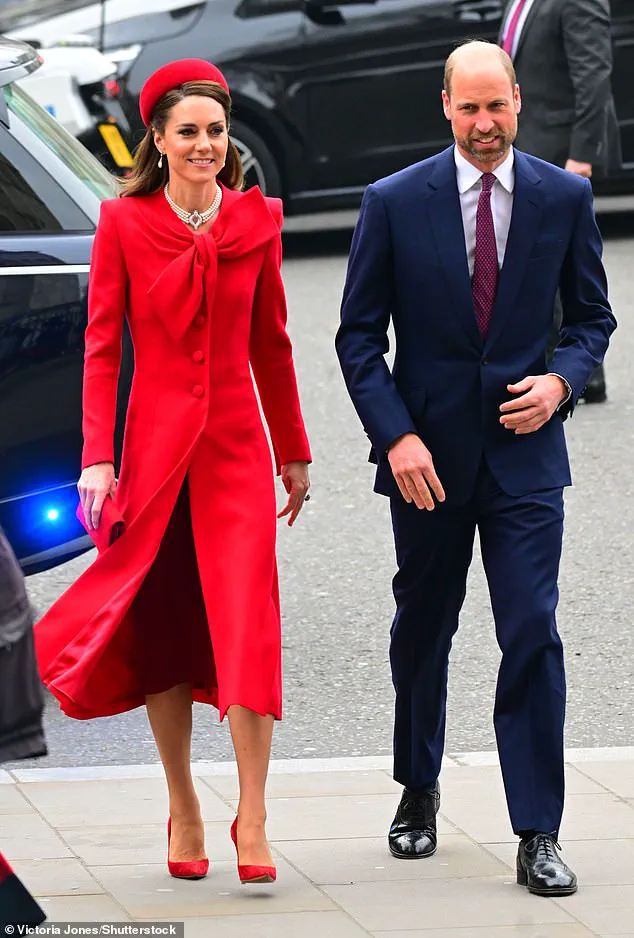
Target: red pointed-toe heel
{"x":251,"y":874}
{"x":184,"y":869}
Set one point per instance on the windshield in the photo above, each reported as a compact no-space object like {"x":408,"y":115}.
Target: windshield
{"x":80,"y":162}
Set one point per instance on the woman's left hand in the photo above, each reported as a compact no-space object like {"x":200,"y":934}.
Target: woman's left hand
{"x":296,"y":482}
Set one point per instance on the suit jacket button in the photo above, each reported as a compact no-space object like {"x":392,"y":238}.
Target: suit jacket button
{"x":198,"y":390}
{"x":485,"y":361}
{"x":198,"y":356}
{"x":199,"y":320}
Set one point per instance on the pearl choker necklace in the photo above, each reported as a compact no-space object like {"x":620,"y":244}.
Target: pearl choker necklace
{"x":195,"y":218}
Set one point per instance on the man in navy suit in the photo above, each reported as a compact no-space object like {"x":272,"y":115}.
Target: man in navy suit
{"x":464,"y":253}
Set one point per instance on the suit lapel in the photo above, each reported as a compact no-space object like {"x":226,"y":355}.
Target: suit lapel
{"x":503,"y":21}
{"x":525,"y":219}
{"x":443,"y":203}
{"x":532,"y":13}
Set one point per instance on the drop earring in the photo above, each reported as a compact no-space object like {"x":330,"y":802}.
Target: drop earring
{"x":160,"y":162}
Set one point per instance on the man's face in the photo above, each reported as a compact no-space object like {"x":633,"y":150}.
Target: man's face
{"x":483,"y":110}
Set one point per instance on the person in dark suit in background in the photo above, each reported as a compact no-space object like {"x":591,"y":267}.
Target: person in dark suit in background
{"x":21,"y":707}
{"x":464,"y":253}
{"x":562,"y":53}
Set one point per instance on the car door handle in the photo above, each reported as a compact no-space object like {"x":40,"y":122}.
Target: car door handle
{"x":327,"y":12}
{"x":479,"y":11}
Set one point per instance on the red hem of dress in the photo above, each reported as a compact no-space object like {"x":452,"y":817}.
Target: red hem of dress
{"x":77,"y":712}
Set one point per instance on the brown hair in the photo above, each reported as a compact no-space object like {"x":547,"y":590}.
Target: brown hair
{"x":481,"y":44}
{"x":146,"y":177}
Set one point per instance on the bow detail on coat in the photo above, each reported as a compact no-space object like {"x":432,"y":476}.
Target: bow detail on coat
{"x":189,"y":279}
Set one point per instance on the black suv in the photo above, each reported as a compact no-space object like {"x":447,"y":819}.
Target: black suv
{"x":328,"y":95}
{"x":50,"y":192}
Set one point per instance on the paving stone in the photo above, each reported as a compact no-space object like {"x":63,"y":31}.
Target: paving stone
{"x":369,"y":860}
{"x":333,"y":817}
{"x":597,"y":817}
{"x":148,"y":891}
{"x":325,"y":924}
{"x":457,"y":903}
{"x":56,"y":877}
{"x":492,"y":931}
{"x":83,"y":909}
{"x":29,"y":837}
{"x":606,"y":910}
{"x":12,"y":801}
{"x":141,"y":843}
{"x":596,"y":862}
{"x":112,"y":803}
{"x":313,"y":784}
{"x":618,"y":777}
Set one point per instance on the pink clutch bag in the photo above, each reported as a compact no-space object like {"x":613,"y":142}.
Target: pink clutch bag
{"x":111,"y":525}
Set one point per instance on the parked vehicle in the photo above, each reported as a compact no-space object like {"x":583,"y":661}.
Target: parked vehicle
{"x":77,"y":83}
{"x":50,"y":193}
{"x":78,"y":86}
{"x":328,"y":95}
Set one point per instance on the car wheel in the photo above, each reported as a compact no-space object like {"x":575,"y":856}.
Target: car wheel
{"x":258,"y":163}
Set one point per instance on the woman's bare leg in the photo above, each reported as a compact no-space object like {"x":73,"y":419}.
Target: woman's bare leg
{"x":251,"y":734}
{"x":170,"y":716}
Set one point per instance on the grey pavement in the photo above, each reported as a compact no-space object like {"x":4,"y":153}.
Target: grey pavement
{"x":336,"y":565}
{"x":91,"y":845}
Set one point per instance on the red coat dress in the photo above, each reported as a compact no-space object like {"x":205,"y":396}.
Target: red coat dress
{"x":189,"y":592}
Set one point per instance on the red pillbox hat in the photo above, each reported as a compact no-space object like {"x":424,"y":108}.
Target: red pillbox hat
{"x":172,"y":76}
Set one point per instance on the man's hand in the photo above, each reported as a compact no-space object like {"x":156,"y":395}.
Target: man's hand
{"x":579,"y":169}
{"x":540,"y":396}
{"x":413,"y":469}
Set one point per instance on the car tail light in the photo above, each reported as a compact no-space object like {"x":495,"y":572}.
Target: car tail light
{"x":112,"y":88}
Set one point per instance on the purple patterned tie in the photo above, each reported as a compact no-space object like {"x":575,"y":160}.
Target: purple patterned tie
{"x":485,"y":268}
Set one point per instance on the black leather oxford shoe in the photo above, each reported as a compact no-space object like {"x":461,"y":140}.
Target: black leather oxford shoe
{"x":413,"y":832}
{"x":595,"y":390}
{"x":541,"y":869}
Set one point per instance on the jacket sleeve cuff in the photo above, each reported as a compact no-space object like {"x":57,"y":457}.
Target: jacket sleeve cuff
{"x":568,"y":389}
{"x":93,"y":459}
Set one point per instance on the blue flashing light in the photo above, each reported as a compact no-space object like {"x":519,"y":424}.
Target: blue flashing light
{"x":52,"y":514}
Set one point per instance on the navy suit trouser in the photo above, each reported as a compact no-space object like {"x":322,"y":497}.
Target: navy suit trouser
{"x":520,"y":540}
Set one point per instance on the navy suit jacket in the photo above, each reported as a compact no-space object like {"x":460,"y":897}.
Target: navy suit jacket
{"x":408,"y":264}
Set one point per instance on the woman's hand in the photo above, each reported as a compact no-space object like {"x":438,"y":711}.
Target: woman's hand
{"x":296,"y":482}
{"x":95,"y":484}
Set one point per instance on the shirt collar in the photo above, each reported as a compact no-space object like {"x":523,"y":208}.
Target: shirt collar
{"x":467,"y":175}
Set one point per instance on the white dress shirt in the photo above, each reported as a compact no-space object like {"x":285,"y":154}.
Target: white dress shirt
{"x":469,"y":181}
{"x":520,"y":24}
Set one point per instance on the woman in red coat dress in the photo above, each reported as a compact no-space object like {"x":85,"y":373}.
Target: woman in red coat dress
{"x":184,"y":605}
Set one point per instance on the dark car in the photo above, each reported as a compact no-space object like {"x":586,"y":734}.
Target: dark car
{"x":50,"y":192}
{"x":328,"y":95}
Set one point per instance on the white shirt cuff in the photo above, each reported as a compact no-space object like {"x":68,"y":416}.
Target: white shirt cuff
{"x":568,"y":389}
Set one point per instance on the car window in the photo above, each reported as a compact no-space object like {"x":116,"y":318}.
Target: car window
{"x":21,"y":208}
{"x":30,"y":197}
{"x":81,"y":163}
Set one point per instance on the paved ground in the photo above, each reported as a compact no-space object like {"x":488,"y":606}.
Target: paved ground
{"x":94,"y":850}
{"x":336,"y":565}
